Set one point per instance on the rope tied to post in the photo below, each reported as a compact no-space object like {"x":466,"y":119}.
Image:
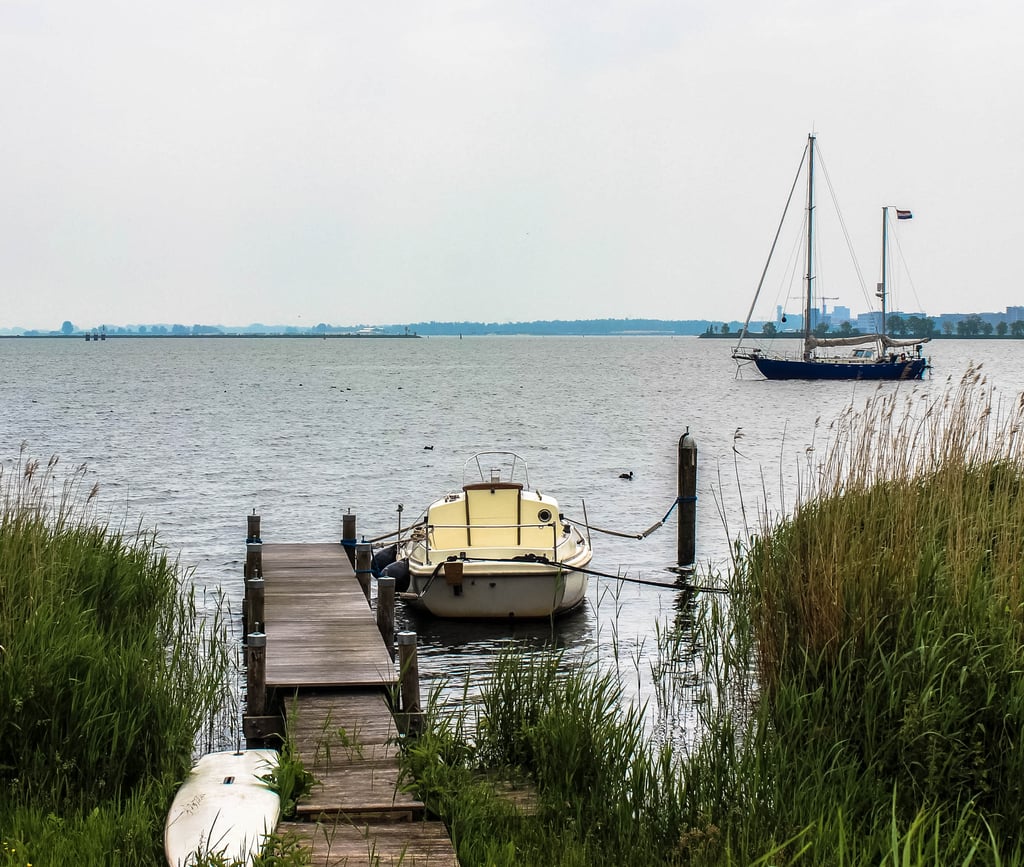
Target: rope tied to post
{"x":638,"y":536}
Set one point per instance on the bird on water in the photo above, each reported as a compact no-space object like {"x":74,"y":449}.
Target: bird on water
{"x":628,"y":475}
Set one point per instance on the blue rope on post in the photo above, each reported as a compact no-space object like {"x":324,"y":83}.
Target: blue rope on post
{"x":677,"y":501}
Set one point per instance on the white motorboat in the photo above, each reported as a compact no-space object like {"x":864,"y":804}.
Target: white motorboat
{"x":494,"y":549}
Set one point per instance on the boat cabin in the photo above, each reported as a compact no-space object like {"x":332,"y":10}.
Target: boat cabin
{"x":493,"y":515}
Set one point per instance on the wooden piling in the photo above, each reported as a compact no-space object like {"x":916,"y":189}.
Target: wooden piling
{"x":256,"y":674}
{"x":254,"y":598}
{"x":364,"y":560}
{"x":686,"y":548}
{"x":386,"y":612}
{"x":348,"y":536}
{"x":253,"y":527}
{"x":253,"y":560}
{"x":409,"y":672}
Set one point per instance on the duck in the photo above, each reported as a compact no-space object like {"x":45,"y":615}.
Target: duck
{"x":628,"y":475}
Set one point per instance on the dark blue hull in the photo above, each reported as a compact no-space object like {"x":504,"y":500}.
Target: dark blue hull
{"x":779,"y":368}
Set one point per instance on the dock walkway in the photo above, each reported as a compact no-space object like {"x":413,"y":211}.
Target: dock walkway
{"x":330,"y":671}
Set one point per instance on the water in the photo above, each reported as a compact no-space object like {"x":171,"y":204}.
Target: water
{"x":190,"y":435}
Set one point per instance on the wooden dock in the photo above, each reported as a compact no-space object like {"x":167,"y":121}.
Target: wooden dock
{"x":329,"y":675}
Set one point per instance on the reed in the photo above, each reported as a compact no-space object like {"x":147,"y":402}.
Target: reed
{"x":107,"y":676}
{"x":857,"y":694}
{"x":886,"y":629}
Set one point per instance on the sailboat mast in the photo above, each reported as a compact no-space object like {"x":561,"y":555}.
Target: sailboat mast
{"x":808,"y":303}
{"x":882,"y":287}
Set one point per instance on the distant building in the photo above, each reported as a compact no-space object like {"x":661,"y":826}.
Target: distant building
{"x":869,"y":323}
{"x":840,"y":315}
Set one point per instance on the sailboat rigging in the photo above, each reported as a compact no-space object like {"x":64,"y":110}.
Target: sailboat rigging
{"x":879,"y":356}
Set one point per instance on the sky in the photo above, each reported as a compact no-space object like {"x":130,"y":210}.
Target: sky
{"x":374,"y":163}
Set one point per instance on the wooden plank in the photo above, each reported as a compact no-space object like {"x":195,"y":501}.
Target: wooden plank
{"x":348,"y":742}
{"x":334,"y":844}
{"x":364,"y":716}
{"x":320,"y":629}
{"x":321,"y":632}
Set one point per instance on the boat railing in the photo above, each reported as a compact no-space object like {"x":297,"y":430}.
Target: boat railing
{"x":510,"y":467}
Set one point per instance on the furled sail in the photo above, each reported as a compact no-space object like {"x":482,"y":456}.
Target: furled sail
{"x":911,"y":341}
{"x":853,"y":340}
{"x":813,"y":342}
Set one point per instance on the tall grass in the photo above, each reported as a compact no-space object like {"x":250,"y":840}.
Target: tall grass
{"x":861,"y":692}
{"x":888,"y":611}
{"x":106,"y":677}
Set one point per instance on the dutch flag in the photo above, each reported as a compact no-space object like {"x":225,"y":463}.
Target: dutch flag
{"x":904,"y":215}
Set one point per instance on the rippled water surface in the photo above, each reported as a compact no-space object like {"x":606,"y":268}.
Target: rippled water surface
{"x":190,"y":435}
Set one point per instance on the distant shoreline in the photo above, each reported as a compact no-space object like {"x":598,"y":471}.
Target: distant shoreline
{"x":755,"y":335}
{"x":792,"y":335}
{"x":102,"y":338}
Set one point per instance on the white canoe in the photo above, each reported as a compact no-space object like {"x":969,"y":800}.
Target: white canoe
{"x":223,"y":807}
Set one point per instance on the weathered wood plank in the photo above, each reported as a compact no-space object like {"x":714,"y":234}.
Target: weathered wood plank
{"x":364,"y":717}
{"x":320,"y":630}
{"x":340,"y":844}
{"x":348,"y":742}
{"x":322,"y":633}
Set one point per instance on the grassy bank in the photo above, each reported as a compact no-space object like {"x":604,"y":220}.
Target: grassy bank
{"x":106,"y":675}
{"x":861,"y":700}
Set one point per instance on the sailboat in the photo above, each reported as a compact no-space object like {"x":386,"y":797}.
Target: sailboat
{"x":876,"y":356}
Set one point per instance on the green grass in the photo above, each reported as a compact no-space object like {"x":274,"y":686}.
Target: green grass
{"x":107,"y":675}
{"x":861,"y":698}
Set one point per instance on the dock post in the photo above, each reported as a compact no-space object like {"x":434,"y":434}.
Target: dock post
{"x":253,"y":559}
{"x":256,"y":674}
{"x":363,"y":564}
{"x":253,"y":566}
{"x":253,"y":527}
{"x":254,"y":596}
{"x":686,"y":548}
{"x":348,"y":536}
{"x":409,"y":672}
{"x":386,"y":612}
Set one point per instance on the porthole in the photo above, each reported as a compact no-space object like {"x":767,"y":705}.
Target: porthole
{"x":544,"y":515}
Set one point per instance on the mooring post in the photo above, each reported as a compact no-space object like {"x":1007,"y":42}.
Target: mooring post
{"x":348,"y":536}
{"x":687,"y":535}
{"x":253,"y":527}
{"x":386,"y":612}
{"x":256,"y":674}
{"x":364,"y":562}
{"x":254,"y":596}
{"x":409,"y":672}
{"x":253,"y":566}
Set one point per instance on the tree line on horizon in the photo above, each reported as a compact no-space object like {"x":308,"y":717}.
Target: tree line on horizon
{"x":898,"y":325}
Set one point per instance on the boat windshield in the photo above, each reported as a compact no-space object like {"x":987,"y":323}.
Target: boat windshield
{"x":496,"y":467}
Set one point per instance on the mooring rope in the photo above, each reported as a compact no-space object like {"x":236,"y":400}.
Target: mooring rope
{"x":624,"y":578}
{"x":375,"y":539}
{"x":640,"y":536}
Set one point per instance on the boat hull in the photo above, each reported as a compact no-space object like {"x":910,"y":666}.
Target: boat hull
{"x":493,"y":591}
{"x":781,"y":368}
{"x":224,"y":808}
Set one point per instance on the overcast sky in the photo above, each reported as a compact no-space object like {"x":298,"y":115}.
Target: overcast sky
{"x":298,"y":162}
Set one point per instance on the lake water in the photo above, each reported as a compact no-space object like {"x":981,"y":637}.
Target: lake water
{"x":190,"y":435}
